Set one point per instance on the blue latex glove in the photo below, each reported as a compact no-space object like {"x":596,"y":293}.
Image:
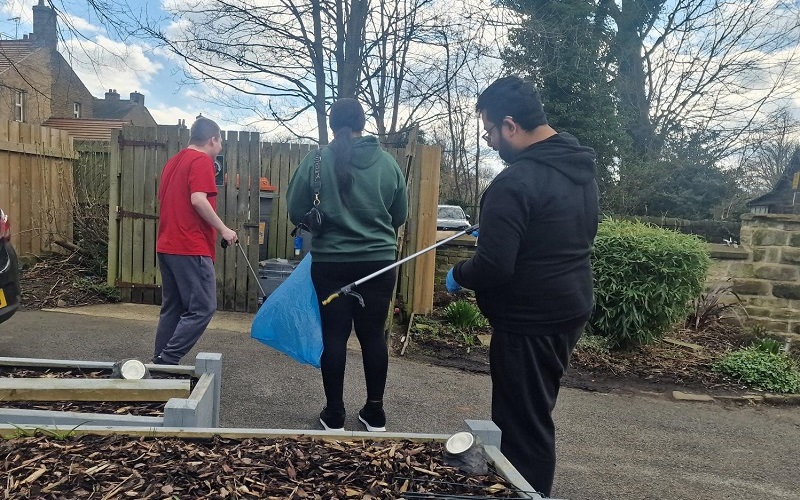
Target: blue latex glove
{"x":451,"y":283}
{"x":474,"y":233}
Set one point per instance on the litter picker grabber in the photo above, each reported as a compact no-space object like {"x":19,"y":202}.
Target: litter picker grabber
{"x":224,"y":245}
{"x":348,"y":289}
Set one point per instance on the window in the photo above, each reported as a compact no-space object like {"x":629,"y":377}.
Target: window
{"x":76,"y":110}
{"x":19,"y":106}
{"x":450,"y":212}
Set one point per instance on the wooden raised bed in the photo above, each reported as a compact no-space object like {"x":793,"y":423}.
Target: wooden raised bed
{"x":249,"y":463}
{"x":198,"y":407}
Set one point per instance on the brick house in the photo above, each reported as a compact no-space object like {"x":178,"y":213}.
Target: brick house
{"x":37,"y":83}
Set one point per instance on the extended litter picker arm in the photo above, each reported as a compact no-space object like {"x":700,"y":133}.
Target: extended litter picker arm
{"x":348,"y":289}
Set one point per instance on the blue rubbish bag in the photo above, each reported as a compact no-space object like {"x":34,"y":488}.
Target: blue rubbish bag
{"x":289,"y":320}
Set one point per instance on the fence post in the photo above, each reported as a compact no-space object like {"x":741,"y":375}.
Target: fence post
{"x":211,"y":362}
{"x":113,"y":202}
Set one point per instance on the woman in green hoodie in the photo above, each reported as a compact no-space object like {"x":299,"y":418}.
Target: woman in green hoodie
{"x":362,"y":196}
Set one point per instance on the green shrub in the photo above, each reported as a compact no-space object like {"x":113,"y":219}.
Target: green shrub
{"x":645,"y":278}
{"x":761,"y":369}
{"x":463,"y":314}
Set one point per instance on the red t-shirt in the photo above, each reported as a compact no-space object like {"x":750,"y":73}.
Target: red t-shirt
{"x":181,"y":230}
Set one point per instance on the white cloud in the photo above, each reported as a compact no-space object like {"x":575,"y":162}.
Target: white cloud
{"x":104,"y":64}
{"x":78,"y":24}
{"x":169,"y":115}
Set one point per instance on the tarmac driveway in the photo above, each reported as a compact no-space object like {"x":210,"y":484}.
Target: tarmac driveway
{"x":610,"y":446}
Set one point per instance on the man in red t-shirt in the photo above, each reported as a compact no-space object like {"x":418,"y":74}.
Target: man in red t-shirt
{"x":187,"y":231}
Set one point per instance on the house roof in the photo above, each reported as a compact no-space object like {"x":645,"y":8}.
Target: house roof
{"x":86,"y":128}
{"x":112,"y":109}
{"x":14,"y":51}
{"x":784,"y":183}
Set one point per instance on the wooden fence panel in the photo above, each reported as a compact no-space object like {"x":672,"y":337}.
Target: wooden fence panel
{"x":24,"y":216}
{"x":226,"y":207}
{"x":125,"y":205}
{"x":36,"y":185}
{"x":149,"y":206}
{"x":91,"y":172}
{"x":140,"y":167}
{"x":62,"y":184}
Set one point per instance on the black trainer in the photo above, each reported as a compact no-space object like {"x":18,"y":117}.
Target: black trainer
{"x":373,"y":417}
{"x":332,"y":420}
{"x":158,"y":361}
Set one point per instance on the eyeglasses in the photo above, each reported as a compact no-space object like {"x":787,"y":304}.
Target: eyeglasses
{"x":486,"y":134}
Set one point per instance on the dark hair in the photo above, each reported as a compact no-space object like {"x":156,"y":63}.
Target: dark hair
{"x":202,"y":130}
{"x":346,"y":116}
{"x":512,"y":96}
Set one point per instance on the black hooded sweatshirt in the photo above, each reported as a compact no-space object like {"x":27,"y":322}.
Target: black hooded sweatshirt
{"x":538,"y":221}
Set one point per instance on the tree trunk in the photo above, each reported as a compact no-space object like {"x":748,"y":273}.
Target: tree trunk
{"x":634,"y":105}
{"x":319,"y":74}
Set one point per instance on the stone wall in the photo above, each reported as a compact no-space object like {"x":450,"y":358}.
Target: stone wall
{"x":768,"y":279}
{"x":764,"y":270}
{"x":448,"y":254}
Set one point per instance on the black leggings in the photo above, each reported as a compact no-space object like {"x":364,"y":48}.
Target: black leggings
{"x":345,"y":313}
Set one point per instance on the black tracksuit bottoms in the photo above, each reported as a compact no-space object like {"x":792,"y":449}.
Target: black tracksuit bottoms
{"x":343,"y":315}
{"x":526,"y":367}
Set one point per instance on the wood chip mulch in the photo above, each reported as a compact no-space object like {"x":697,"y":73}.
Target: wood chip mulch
{"x":116,"y":467}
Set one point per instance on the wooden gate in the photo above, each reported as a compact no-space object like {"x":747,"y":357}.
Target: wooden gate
{"x":137,"y":156}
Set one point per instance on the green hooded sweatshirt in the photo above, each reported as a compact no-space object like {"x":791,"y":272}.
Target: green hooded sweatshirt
{"x":365,"y":229}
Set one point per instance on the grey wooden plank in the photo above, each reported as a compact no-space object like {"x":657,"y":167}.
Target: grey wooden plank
{"x":70,"y":418}
{"x":48,"y":389}
{"x":92,"y":365}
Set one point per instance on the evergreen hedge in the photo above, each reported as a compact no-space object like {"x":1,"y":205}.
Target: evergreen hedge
{"x":644,"y":280}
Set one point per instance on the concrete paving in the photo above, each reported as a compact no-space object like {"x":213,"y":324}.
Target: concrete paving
{"x":610,"y":446}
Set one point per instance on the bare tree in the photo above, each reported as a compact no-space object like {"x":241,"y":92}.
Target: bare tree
{"x":707,"y":65}
{"x":768,"y":152}
{"x":470,"y":61}
{"x":279,"y":60}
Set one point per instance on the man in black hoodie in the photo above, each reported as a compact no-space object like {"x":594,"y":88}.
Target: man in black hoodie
{"x":531,"y":271}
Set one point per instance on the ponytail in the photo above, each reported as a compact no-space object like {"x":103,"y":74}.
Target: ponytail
{"x":347,"y":116}
{"x":342,"y":147}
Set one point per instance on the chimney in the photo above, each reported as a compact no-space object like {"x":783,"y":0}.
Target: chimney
{"x":45,"y":32}
{"x":137,"y":98}
{"x":112,"y":95}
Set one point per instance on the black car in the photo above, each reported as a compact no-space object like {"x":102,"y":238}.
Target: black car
{"x":9,"y":271}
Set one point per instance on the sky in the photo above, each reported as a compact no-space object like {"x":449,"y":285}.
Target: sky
{"x":104,"y":63}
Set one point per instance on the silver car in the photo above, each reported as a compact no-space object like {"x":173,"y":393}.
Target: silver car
{"x":451,"y":218}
